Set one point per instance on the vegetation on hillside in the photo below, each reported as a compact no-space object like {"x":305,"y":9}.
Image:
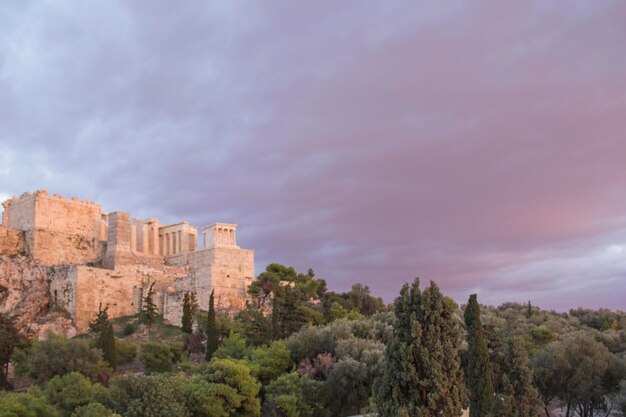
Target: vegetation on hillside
{"x":299,"y":350}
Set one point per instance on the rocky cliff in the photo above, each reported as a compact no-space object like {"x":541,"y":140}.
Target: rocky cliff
{"x":25,"y":295}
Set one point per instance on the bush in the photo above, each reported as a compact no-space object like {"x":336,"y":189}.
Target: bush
{"x":59,"y":356}
{"x":26,"y":404}
{"x":94,"y":410}
{"x":129,"y":329}
{"x":126,"y":352}
{"x":157,"y":357}
{"x":71,"y":391}
{"x":153,"y":395}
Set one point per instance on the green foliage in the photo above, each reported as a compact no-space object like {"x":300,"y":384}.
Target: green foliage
{"x":128,"y":329}
{"x":26,"y":404}
{"x":101,"y":320}
{"x":233,"y":347}
{"x":205,"y":399}
{"x":59,"y":356}
{"x":126,"y":352}
{"x":108,"y":345}
{"x":422,"y":376}
{"x":479,"y":375}
{"x":269,"y":362}
{"x":285,"y":397}
{"x":71,"y":391}
{"x":579,"y":371}
{"x":149,"y":311}
{"x":147,"y":396}
{"x":157,"y":357}
{"x":255,"y":326}
{"x":211,"y":329}
{"x":290,"y":294}
{"x":94,"y":410}
{"x":188,"y":313}
{"x":236,"y":375}
{"x":9,"y":340}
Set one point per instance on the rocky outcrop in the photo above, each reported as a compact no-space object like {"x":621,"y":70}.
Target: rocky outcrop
{"x":25,"y":296}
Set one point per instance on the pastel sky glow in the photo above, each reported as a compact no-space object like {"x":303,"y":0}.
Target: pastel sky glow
{"x":478,"y":144}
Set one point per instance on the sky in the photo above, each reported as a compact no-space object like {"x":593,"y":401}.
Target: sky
{"x":480,"y":145}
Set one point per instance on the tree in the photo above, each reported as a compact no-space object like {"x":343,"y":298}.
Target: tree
{"x":149,"y":310}
{"x":101,"y":320}
{"x":188,"y":312}
{"x":31,"y":403}
{"x":147,"y":396}
{"x":479,"y":375}
{"x":580,"y":372}
{"x":109,"y":346}
{"x":9,"y":340}
{"x":59,"y":356}
{"x":516,"y":395}
{"x":211,"y":329}
{"x":71,"y":391}
{"x":157,"y":357}
{"x":285,"y":397}
{"x":105,"y":337}
{"x":236,"y":375}
{"x":422,"y":376}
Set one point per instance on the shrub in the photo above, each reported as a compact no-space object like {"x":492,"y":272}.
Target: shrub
{"x":157,"y":357}
{"x":71,"y":391}
{"x":152,"y":395}
{"x":126,"y":352}
{"x":59,"y":356}
{"x":129,"y":328}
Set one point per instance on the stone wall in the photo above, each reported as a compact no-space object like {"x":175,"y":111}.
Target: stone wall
{"x":55,"y":248}
{"x":227,"y":270}
{"x":54,"y":213}
{"x":11,"y":241}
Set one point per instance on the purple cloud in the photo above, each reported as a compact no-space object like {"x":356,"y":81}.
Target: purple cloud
{"x":480,"y":146}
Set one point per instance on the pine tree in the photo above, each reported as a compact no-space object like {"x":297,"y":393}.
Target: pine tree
{"x":102,"y":318}
{"x":211,"y":329}
{"x":187,"y":321}
{"x":149,"y":311}
{"x":422,"y":376}
{"x":479,"y":374}
{"x":108,"y":346}
{"x":104,"y":336}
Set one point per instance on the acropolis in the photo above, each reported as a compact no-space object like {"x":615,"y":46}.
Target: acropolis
{"x":91,"y":257}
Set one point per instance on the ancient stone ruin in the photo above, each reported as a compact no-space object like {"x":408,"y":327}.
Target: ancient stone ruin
{"x":87,"y":257}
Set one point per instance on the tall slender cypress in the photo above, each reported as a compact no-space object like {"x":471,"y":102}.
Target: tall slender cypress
{"x":211,"y":329}
{"x":109,"y":348}
{"x":422,"y":376}
{"x":479,"y":374}
{"x":187,"y":321}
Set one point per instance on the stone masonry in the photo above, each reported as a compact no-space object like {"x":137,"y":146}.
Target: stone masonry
{"x":93,"y":257}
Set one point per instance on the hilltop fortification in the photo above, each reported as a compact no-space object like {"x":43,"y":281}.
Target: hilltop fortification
{"x":87,"y":257}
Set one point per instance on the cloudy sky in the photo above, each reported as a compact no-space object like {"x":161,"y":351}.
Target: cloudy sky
{"x":478,"y":144}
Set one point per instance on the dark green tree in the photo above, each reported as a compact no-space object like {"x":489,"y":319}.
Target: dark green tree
{"x":149,"y":310}
{"x":101,"y":320}
{"x":104,"y":336}
{"x":516,"y":395}
{"x":108,"y":345}
{"x":9,"y":340}
{"x":422,"y":375}
{"x":211,"y":329}
{"x":479,"y":375}
{"x":188,"y":312}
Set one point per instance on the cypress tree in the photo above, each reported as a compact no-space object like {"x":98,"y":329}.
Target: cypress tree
{"x":211,"y":329}
{"x":479,"y":374}
{"x":109,"y":348}
{"x":422,"y":376}
{"x":102,"y":318}
{"x":149,"y":311}
{"x":9,"y":340}
{"x":516,"y":395}
{"x":187,"y":321}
